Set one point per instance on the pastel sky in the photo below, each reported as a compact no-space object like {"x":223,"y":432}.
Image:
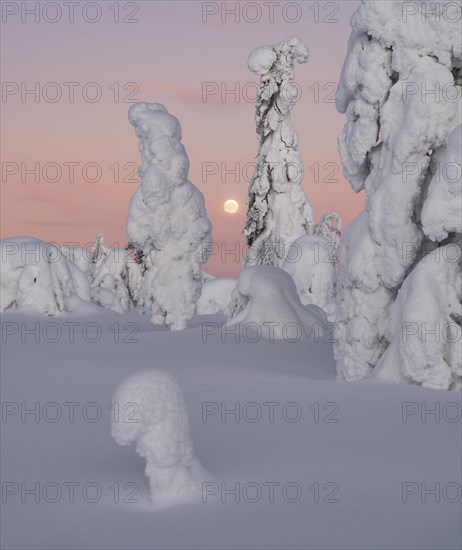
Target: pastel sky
{"x":170,"y":55}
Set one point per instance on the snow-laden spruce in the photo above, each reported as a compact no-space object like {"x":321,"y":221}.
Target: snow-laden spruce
{"x":425,"y":327}
{"x":152,"y":414}
{"x":114,"y":274}
{"x":167,"y":220}
{"x":397,"y":89}
{"x":265,"y":304}
{"x":37,"y":277}
{"x":116,"y":278}
{"x":278,"y":210}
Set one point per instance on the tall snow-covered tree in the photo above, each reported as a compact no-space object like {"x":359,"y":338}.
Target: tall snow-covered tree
{"x":278,"y":210}
{"x":399,"y":88}
{"x":167,"y":220}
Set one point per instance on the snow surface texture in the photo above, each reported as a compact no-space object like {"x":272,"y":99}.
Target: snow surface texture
{"x":216,"y":295}
{"x":265,"y":301}
{"x":37,"y":277}
{"x":359,"y":442}
{"x":278,"y":210}
{"x":159,"y":427}
{"x":167,"y":219}
{"x":310,"y":261}
{"x":390,"y":146}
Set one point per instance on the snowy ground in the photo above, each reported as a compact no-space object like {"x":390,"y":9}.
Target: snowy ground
{"x":348,"y":455}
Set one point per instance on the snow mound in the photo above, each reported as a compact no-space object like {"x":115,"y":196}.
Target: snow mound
{"x":159,"y":426}
{"x":37,"y":277}
{"x":425,"y":325}
{"x":266,"y":300}
{"x":310,"y":261}
{"x":216,"y":295}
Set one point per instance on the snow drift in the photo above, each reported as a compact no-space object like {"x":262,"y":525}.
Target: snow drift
{"x":265,"y":300}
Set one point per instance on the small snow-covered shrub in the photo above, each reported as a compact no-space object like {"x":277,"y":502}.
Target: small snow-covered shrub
{"x":159,"y":427}
{"x":114,"y":274}
{"x":310,"y":261}
{"x":117,"y":280}
{"x":266,"y":299}
{"x":36,"y":276}
{"x":167,"y":220}
{"x":216,"y":295}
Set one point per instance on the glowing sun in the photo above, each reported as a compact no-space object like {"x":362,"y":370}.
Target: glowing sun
{"x":231,"y":206}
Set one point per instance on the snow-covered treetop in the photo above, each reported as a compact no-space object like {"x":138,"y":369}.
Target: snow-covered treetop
{"x":262,"y":60}
{"x":166,"y":205}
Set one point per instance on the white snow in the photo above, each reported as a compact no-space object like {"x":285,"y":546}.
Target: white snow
{"x":216,"y":295}
{"x":167,"y":219}
{"x":159,"y":427}
{"x":395,"y":132}
{"x":351,"y":434}
{"x":425,"y":336}
{"x":310,"y":261}
{"x":37,"y":277}
{"x":265,"y":300}
{"x":441,"y":213}
{"x":278,"y":210}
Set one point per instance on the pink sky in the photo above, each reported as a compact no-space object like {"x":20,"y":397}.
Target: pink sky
{"x":169,"y":54}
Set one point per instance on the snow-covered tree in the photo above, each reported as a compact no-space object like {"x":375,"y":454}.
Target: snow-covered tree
{"x":155,"y":418}
{"x":397,"y":89}
{"x":37,"y":277}
{"x":278,"y":210}
{"x":114,"y":274}
{"x":167,"y":220}
{"x":425,"y":326}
